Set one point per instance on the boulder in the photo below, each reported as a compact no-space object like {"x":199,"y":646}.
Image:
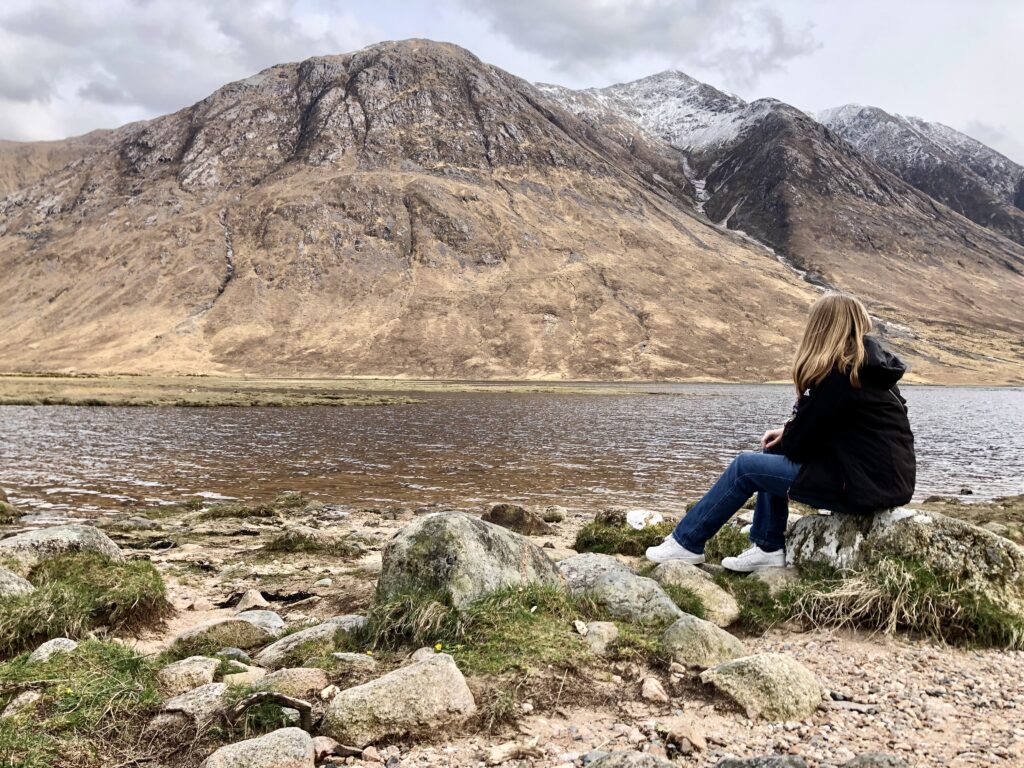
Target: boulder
{"x":184,"y":675}
{"x":320,"y":639}
{"x":421,"y":697}
{"x":951,"y":549}
{"x":720,"y":607}
{"x":629,"y":759}
{"x":12,"y":585}
{"x":252,"y":598}
{"x":33,"y":547}
{"x":51,"y":648}
{"x":352,"y":663}
{"x":695,"y":642}
{"x":298,"y":682}
{"x":769,"y":685}
{"x":582,"y":571}
{"x":517,"y":518}
{"x":629,"y":597}
{"x":267,"y":620}
{"x":463,"y":556}
{"x":244,"y":674}
{"x":233,"y":630}
{"x":283,"y":748}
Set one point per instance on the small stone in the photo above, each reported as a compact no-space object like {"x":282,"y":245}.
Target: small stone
{"x":683,"y":734}
{"x":371,"y":755}
{"x":268,"y":620}
{"x":47,"y":650}
{"x":653,"y":690}
{"x":516,"y":518}
{"x":295,"y":681}
{"x":422,"y":654}
{"x":553,"y":513}
{"x":324,"y":747}
{"x":580,"y":627}
{"x":601,"y":634}
{"x":184,"y":675}
{"x":252,"y":598}
{"x":876,"y":760}
{"x":22,"y":703}
{"x":245,"y":675}
{"x":11,"y":584}
{"x":234,"y":654}
{"x":323,"y":583}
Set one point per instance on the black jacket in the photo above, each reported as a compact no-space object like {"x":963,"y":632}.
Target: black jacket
{"x":855,"y":445}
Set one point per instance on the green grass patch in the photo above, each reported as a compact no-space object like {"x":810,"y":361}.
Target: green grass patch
{"x":298,"y":541}
{"x":687,"y":600}
{"x":728,"y":542}
{"x":759,"y":609}
{"x":283,"y":503}
{"x":95,"y":703}
{"x":612,"y":538}
{"x":78,"y":593}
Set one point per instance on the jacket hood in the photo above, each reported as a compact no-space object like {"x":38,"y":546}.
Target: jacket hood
{"x":881,"y":368}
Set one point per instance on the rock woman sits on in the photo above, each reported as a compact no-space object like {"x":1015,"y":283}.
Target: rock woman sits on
{"x":847,"y":447}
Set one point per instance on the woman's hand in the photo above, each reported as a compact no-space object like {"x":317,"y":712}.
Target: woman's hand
{"x":771,"y":438}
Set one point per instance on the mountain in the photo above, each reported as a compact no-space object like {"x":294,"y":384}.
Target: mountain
{"x":767,"y":169}
{"x":408,"y":210}
{"x":969,"y":177}
{"x":402,"y":210}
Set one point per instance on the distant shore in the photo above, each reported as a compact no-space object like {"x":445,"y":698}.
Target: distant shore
{"x":243,"y":391}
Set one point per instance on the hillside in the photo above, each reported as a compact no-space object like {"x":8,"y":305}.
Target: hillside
{"x":408,"y":210}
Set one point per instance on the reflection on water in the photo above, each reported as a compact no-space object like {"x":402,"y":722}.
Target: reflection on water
{"x":657,"y":450}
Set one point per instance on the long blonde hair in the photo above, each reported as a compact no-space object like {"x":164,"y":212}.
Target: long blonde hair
{"x":833,"y":338}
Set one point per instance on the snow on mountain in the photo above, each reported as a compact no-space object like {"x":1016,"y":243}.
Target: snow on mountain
{"x":901,"y":143}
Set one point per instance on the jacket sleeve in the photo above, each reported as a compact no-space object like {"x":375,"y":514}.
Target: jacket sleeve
{"x":817,"y":413}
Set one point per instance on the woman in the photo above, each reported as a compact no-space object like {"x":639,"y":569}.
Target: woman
{"x":847,"y":447}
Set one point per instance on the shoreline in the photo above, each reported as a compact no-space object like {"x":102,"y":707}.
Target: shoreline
{"x":87,"y":389}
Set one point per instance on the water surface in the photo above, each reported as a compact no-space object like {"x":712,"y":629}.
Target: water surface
{"x":466,"y":449}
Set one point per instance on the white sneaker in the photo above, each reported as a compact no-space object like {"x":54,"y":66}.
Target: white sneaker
{"x":670,"y":549}
{"x":755,"y":559}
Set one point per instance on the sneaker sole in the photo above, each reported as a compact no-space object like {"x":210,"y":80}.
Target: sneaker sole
{"x":753,"y":568}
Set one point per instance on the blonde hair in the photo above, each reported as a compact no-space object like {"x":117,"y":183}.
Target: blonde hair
{"x":833,"y":339}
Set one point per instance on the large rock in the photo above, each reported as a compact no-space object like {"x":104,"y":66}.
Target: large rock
{"x":629,"y":759}
{"x":187,"y":674}
{"x":283,"y":748}
{"x":233,"y":630}
{"x":951,"y":549}
{"x":268,"y":620}
{"x":720,"y":607}
{"x":629,"y":597}
{"x":33,"y":547}
{"x":769,"y":685}
{"x":463,"y":556}
{"x":320,"y":640}
{"x":698,"y":643}
{"x":582,"y":571}
{"x":12,"y":585}
{"x":421,"y":697}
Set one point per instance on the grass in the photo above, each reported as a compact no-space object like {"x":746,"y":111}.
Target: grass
{"x":894,"y":594}
{"x":759,"y":609}
{"x":283,"y":503}
{"x":298,"y":541}
{"x":687,"y":600}
{"x":96,"y":701}
{"x":80,"y":593}
{"x":619,"y":539}
{"x":728,"y":542}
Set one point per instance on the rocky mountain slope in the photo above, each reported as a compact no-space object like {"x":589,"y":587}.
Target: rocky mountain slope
{"x":409,"y":210}
{"x":969,"y":177}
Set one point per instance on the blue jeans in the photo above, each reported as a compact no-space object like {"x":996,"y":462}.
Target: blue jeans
{"x":769,"y":475}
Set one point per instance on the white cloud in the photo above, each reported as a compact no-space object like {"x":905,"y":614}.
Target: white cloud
{"x":67,"y":64}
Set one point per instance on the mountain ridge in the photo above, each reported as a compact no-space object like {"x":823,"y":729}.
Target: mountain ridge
{"x":408,"y":210}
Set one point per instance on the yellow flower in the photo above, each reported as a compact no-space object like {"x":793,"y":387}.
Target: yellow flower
{"x":438,"y":646}
{"x":369,"y":653}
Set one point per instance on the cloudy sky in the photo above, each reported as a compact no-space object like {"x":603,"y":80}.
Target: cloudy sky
{"x":67,"y":66}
